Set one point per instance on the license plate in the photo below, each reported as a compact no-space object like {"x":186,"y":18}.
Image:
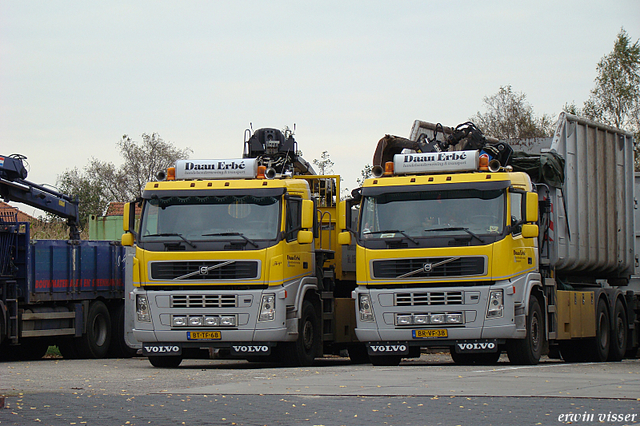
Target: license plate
{"x":439,"y":333}
{"x":204,"y":335}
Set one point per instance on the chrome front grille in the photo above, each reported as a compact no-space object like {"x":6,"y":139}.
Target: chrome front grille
{"x":204,"y":301}
{"x":431,"y":298}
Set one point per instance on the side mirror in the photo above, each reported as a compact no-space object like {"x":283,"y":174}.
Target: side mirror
{"x":127,"y":239}
{"x":529,"y":230}
{"x":344,"y":238}
{"x":306,"y":222}
{"x":305,"y":237}
{"x":342,"y":215}
{"x":126,"y":226}
{"x":531,"y":208}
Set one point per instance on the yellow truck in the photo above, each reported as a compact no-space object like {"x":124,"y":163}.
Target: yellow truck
{"x":240,"y":257}
{"x":467,"y":245}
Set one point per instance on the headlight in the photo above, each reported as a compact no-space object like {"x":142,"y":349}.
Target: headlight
{"x":404,"y":320}
{"x":365,"y":308}
{"x":179,"y":321}
{"x":267,"y":308}
{"x":496,"y":304}
{"x":211,"y":321}
{"x":142,"y":308}
{"x":438,"y":318}
{"x":195,"y":321}
{"x":421,"y":319}
{"x":454,"y":319}
{"x":229,"y":321}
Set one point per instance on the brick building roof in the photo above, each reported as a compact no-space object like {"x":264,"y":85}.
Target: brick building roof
{"x":117,"y":209}
{"x":6,"y":209}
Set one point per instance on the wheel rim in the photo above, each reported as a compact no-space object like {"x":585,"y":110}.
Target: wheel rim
{"x":535,"y":331}
{"x":307,"y":335}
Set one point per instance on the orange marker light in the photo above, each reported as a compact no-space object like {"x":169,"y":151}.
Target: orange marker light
{"x":483,"y":163}
{"x":171,"y":173}
{"x":388,"y":168}
{"x":261,"y":171}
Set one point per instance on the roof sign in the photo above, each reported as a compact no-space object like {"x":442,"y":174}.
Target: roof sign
{"x":217,"y":169}
{"x":435,"y":162}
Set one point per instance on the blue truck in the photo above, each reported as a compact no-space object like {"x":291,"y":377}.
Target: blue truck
{"x":68,"y":293}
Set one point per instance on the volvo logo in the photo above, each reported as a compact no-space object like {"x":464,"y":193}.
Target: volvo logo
{"x":427,"y":267}
{"x":204,"y":270}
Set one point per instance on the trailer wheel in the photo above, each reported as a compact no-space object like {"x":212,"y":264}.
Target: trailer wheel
{"x":597,"y":348}
{"x":386,"y":360}
{"x":489,"y":358}
{"x":303,"y":351}
{"x":169,"y":361}
{"x":618,"y":346}
{"x":528,"y":351}
{"x":95,"y":342}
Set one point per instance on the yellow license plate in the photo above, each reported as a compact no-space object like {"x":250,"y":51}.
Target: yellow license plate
{"x":439,"y":333}
{"x":204,"y":335}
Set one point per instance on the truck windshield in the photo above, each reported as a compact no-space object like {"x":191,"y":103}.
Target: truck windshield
{"x":470,"y":212}
{"x":192,"y":219}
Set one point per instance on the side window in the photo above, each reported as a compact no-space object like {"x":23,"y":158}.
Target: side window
{"x":516,"y":212}
{"x":293,"y":218}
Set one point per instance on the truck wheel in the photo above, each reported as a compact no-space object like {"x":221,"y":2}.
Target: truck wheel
{"x":165,"y":361}
{"x":386,"y":360}
{"x":118,"y":347}
{"x":475,"y":359}
{"x":618,"y":345}
{"x":304,"y":350}
{"x":95,"y":342}
{"x":528,"y":351}
{"x":597,"y":348}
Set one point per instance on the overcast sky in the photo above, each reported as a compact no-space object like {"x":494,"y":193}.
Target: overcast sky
{"x":75,"y":75}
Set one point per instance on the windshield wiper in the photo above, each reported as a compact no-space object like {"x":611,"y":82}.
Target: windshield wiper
{"x":232,"y":234}
{"x":393,"y":231}
{"x":172,"y":234}
{"x":456,"y":228}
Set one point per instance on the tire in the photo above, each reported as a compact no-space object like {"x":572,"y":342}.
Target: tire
{"x":489,"y":358}
{"x":118,"y":347}
{"x":618,"y":344}
{"x":386,"y":360}
{"x":171,"y":361}
{"x":95,"y":342}
{"x":303,"y":351}
{"x":597,"y":348}
{"x":528,"y":351}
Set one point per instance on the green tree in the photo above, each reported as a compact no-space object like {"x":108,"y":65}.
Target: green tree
{"x":509,"y":116}
{"x":101,"y":182}
{"x":615,"y":99}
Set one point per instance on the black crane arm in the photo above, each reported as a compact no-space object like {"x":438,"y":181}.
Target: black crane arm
{"x":14,"y":187}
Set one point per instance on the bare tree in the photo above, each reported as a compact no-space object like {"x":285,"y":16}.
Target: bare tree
{"x":510,"y":116}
